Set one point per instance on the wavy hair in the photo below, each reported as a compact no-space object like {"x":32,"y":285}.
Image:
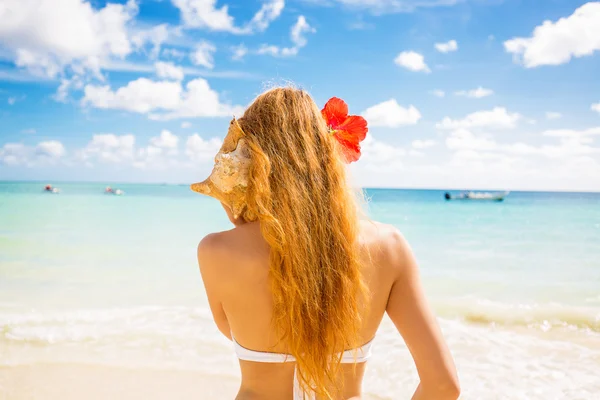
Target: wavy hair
{"x":309,"y":216}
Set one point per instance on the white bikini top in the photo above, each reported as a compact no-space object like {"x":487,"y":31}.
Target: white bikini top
{"x":359,"y":355}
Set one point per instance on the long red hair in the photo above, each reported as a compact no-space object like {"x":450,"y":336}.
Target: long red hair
{"x":308,"y":214}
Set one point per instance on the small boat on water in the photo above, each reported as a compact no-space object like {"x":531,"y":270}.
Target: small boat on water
{"x":116,"y":192}
{"x":498,"y":196}
{"x":51,"y":189}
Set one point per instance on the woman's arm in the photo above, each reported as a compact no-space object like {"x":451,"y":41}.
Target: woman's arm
{"x":211,"y":266}
{"x":408,"y":309}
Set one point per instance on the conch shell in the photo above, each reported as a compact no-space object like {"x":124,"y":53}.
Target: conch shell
{"x":229,"y":178}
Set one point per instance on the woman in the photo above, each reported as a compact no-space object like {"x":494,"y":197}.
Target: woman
{"x":301,"y":284}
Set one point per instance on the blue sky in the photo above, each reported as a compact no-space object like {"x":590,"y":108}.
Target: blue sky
{"x":458,"y":93}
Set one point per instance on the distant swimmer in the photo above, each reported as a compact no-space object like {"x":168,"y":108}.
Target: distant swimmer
{"x":108,"y":190}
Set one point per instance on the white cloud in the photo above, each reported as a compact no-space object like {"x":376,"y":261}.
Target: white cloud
{"x":380,"y":156}
{"x":52,"y":149}
{"x":463,"y":139}
{"x":44,"y":153}
{"x":108,"y":148}
{"x":390,"y":114}
{"x":438,"y":93}
{"x":156,"y":36}
{"x":268,"y":13}
{"x":378,"y":7}
{"x":173,"y":53}
{"x":297,"y":36}
{"x":595,"y":107}
{"x":200,"y":150}
{"x":554,"y":43}
{"x":412,"y":61}
{"x":13,"y":154}
{"x":160,"y":152}
{"x":164,"y":100}
{"x":167,"y":70}
{"x":50,"y":35}
{"x":571,"y":143}
{"x":239,"y":52}
{"x":498,"y":117}
{"x":447,"y":47}
{"x":206,"y":14}
{"x":203,"y":54}
{"x":62,"y":93}
{"x":166,"y":140}
{"x":553,"y":115}
{"x":186,"y":125}
{"x":475,"y":93}
{"x":570,"y":133}
{"x":142,"y":96}
{"x":423,"y":144}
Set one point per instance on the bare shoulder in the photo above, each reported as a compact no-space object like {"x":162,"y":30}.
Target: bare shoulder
{"x":386,"y":245}
{"x":223,"y":255}
{"x":212,"y":255}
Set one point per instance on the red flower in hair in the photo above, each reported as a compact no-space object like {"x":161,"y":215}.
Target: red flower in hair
{"x":349,"y":130}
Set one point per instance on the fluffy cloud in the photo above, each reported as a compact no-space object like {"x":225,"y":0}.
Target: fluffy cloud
{"x":164,"y":100}
{"x":380,"y":156}
{"x":198,"y":149}
{"x":168,"y":70}
{"x":498,"y":117}
{"x":554,"y":43}
{"x":160,"y":152}
{"x":173,"y":53}
{"x":463,"y":139}
{"x":595,"y":107}
{"x":203,"y":54}
{"x":205,"y":14}
{"x":570,"y":133}
{"x":108,"y":148}
{"x":50,"y":35}
{"x":166,"y":140}
{"x":155,"y":36}
{"x":142,"y":95}
{"x":47,"y":152}
{"x":13,"y":154}
{"x":392,"y":115}
{"x":571,"y":143}
{"x":51,"y":149}
{"x":475,"y":93}
{"x":438,"y":93}
{"x":268,"y":13}
{"x":239,"y":52}
{"x":297,"y":36}
{"x":423,"y":144}
{"x":447,"y":47}
{"x":378,"y":7}
{"x":412,"y":61}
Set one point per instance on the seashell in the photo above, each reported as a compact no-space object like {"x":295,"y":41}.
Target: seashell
{"x":229,"y":178}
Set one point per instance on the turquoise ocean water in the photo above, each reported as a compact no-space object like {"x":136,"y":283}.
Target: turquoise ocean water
{"x":112,"y":280}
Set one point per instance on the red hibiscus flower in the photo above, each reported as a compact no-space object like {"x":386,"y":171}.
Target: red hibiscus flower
{"x":349,"y":130}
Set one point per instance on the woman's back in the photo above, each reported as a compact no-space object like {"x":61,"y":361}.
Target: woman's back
{"x":300,"y":274}
{"x":235,"y":269}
